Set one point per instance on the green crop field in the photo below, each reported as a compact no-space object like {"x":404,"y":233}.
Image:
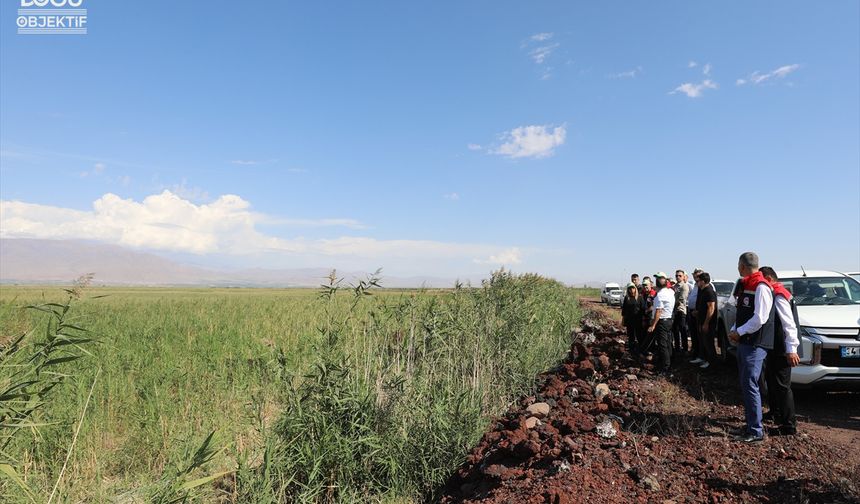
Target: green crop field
{"x":332,"y":395}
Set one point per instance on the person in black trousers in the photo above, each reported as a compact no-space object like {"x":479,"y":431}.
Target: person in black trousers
{"x":782,"y":358}
{"x":661,"y":323}
{"x":632,"y":313}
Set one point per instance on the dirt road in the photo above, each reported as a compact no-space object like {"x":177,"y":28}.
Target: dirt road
{"x":603,"y":428}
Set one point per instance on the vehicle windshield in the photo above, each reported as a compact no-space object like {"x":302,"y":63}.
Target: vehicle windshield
{"x":855,"y":276}
{"x":724,"y":288}
{"x":823,"y":291}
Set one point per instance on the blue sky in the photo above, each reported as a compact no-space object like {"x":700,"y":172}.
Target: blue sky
{"x":578,"y":140}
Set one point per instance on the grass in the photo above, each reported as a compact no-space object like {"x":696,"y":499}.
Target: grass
{"x":336,"y":398}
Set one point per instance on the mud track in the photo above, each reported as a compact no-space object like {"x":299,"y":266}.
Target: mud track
{"x":603,"y":428}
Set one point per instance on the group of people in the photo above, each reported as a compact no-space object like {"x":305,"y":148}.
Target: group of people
{"x":662,"y":317}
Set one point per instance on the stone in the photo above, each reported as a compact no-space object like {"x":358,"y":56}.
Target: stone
{"x":540,"y":409}
{"x":601,"y":391}
{"x":585,"y":369}
{"x":606,"y":430}
{"x":531,"y":422}
{"x":569,"y":441}
{"x":650,"y":482}
{"x":631,"y":377}
{"x":495,"y":470}
{"x":573,"y":392}
{"x":603,"y":362}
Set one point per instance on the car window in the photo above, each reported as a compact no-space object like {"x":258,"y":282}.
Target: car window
{"x":823,"y":291}
{"x":724,"y":288}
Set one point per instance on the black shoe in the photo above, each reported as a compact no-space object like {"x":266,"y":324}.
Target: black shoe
{"x":749,"y":438}
{"x":787,"y":430}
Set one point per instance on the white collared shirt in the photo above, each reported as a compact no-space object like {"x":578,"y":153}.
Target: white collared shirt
{"x":691,"y":299}
{"x":783,"y":309}
{"x":665,"y":300}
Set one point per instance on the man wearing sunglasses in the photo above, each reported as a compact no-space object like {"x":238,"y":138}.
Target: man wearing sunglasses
{"x":679,"y":317}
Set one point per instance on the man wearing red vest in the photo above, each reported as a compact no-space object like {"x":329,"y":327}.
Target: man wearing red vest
{"x":782,"y":358}
{"x":753,"y":331}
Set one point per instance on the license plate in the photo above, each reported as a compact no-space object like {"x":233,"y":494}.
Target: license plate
{"x":850,"y":352}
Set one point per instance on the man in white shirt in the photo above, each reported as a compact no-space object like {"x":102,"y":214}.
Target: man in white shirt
{"x":782,"y":358}
{"x":661,"y":322}
{"x":753,"y":331}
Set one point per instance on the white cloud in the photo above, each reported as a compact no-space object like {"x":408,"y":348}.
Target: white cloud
{"x":694,"y":90}
{"x":785,"y":70}
{"x":451,"y":196}
{"x":474,"y":147}
{"x":706,"y":70}
{"x":629,"y":74}
{"x":531,"y":141}
{"x":759,"y":78}
{"x":692,"y":64}
{"x":191,"y":193}
{"x":98,"y":168}
{"x":124,"y":180}
{"x":252,"y":162}
{"x":504,"y":258}
{"x":540,"y":54}
{"x":307,"y":223}
{"x":540,"y":37}
{"x":227,"y":225}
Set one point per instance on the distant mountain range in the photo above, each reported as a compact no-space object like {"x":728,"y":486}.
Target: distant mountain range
{"x":29,"y":261}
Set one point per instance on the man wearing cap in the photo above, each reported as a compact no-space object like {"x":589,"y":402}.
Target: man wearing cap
{"x":753,"y":331}
{"x":783,"y":357}
{"x":661,"y":322}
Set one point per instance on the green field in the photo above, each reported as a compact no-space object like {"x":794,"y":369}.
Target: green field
{"x":341,"y":397}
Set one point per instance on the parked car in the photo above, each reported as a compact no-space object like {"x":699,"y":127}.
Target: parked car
{"x":855,"y":275}
{"x":828,"y":306}
{"x":607,"y":297}
{"x":724,"y":289}
{"x":726,"y":311}
{"x":615,"y":297}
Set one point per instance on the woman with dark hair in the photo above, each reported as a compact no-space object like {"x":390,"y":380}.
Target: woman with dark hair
{"x":632,"y":313}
